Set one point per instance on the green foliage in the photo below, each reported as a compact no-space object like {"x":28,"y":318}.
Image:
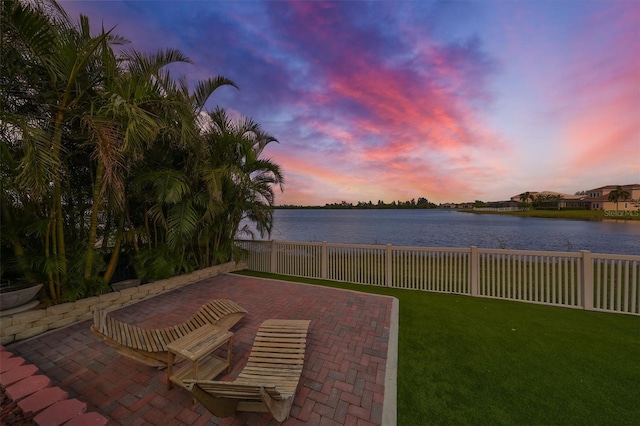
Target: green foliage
{"x":108,"y":153}
{"x":574,"y":214}
{"x":619,"y":194}
{"x":79,"y":288}
{"x":158,"y":263}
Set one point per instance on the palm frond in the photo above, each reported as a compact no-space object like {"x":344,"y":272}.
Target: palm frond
{"x":205,"y":88}
{"x":182,"y":222}
{"x":38,"y":165}
{"x":33,"y":28}
{"x":150,"y":64}
{"x":171,"y":186}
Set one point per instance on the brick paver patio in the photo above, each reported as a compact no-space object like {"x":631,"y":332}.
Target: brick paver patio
{"x":344,"y":375}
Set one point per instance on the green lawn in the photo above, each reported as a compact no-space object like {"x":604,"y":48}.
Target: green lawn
{"x":465,"y":360}
{"x":591,"y":215}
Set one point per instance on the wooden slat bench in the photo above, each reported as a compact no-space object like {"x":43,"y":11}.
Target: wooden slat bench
{"x":268,"y":381}
{"x":149,"y":346}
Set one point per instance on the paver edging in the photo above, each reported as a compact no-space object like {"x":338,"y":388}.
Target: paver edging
{"x":61,"y":405}
{"x":390,"y":404}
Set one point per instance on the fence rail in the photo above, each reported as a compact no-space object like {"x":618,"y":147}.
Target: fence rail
{"x":582,"y":280}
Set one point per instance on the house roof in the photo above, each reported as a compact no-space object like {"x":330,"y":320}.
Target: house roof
{"x":627,"y":187}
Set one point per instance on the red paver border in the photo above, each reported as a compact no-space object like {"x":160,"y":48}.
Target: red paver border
{"x":34,"y":394}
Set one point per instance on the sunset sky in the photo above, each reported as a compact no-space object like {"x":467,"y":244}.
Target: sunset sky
{"x":451,"y":100}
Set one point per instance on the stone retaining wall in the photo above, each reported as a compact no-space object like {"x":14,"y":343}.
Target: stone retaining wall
{"x":31,"y":323}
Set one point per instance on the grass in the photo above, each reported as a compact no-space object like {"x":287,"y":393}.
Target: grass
{"x":465,"y":360}
{"x":592,"y":215}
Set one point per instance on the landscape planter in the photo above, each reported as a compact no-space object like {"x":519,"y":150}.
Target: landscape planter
{"x":18,"y":300}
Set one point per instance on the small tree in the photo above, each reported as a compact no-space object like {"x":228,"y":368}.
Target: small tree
{"x":525,"y":197}
{"x":619,"y":194}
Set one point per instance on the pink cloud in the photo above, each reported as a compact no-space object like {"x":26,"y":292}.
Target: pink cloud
{"x":400,"y":123}
{"x":602,"y":99}
{"x":367,"y":103}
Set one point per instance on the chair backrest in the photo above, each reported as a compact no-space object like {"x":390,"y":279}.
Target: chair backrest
{"x":268,"y":381}
{"x":222,"y":313}
{"x":277,"y":356}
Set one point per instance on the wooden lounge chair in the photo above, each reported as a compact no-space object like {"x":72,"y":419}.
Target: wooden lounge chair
{"x":268,"y":381}
{"x":149,"y":346}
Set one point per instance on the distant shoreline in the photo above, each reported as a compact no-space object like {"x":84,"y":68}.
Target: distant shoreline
{"x":588,"y":215}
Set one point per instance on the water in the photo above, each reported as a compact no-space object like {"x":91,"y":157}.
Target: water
{"x":443,"y":228}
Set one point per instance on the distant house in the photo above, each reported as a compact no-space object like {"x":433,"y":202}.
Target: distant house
{"x":501,"y":204}
{"x":456,"y":206}
{"x":551,"y":199}
{"x":573,"y":202}
{"x":598,"y":198}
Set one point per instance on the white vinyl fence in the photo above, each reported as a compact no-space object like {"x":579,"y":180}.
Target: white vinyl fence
{"x":584,"y":280}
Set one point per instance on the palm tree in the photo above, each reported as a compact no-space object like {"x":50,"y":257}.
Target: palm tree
{"x":120,"y":132}
{"x":61,"y":62}
{"x":619,"y":194}
{"x":525,"y":196}
{"x":176,"y":198}
{"x":233,"y":163}
{"x":98,"y":146}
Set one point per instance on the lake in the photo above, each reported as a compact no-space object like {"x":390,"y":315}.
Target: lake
{"x":448,"y":228}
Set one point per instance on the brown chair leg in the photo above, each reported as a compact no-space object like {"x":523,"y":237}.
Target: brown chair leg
{"x":279,"y":409}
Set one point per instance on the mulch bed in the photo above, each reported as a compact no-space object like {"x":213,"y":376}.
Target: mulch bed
{"x":11,"y":413}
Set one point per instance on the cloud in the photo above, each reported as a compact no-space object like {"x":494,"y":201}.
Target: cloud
{"x":363,"y":99}
{"x":599,"y":95}
{"x":386,"y":114}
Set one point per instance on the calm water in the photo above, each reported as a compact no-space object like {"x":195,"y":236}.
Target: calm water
{"x":438,"y":228}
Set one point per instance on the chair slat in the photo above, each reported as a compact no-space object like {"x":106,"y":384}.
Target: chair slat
{"x":141,"y":343}
{"x":269,"y":379}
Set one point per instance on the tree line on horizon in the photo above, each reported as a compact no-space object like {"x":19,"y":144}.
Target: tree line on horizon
{"x":106,"y":155}
{"x":421,"y":203}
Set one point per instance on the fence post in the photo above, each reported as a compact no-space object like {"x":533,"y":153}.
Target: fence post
{"x":389,"y":262}
{"x":274,"y":258}
{"x":323,"y":261}
{"x":586,"y":283}
{"x":474,"y":271}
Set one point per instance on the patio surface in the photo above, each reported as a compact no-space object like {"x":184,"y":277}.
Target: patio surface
{"x":352,"y":342}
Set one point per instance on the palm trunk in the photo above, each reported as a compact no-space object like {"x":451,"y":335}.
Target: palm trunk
{"x":52,"y":286}
{"x":60,"y":254}
{"x":93,"y":227}
{"x":51,"y":251}
{"x":146,"y":227}
{"x":113,"y":262}
{"x":134,"y":239}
